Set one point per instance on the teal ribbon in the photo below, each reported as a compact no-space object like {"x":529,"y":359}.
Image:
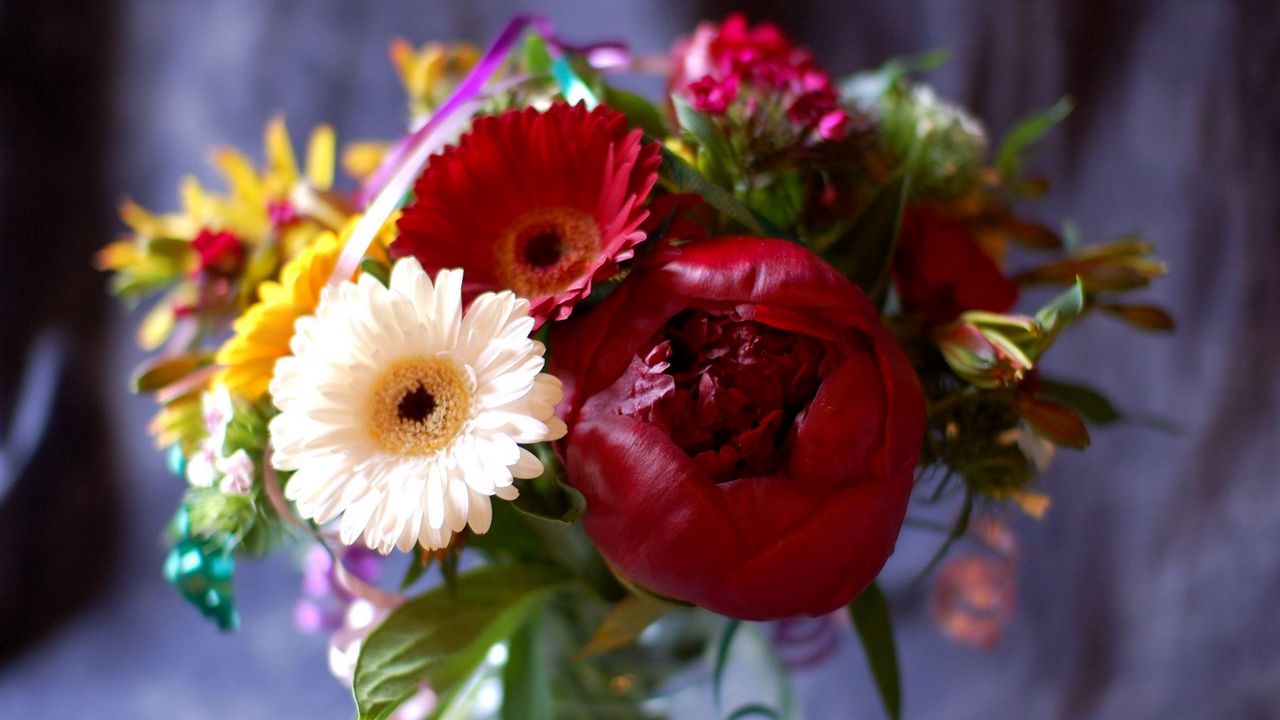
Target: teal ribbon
{"x":572,"y":86}
{"x":201,"y":569}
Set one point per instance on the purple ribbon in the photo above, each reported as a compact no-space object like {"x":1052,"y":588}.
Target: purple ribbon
{"x":382,"y":193}
{"x":397,"y":173}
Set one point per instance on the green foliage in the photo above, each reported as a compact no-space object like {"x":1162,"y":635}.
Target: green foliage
{"x":864,"y":252}
{"x":680,"y":177}
{"x":640,"y":113}
{"x":164,"y":371}
{"x":526,"y":678}
{"x":442,"y":637}
{"x":870,"y":613}
{"x":1092,"y":405}
{"x":937,"y":142}
{"x":376,"y":269}
{"x":722,"y":661}
{"x":1018,"y":142}
{"x":417,"y":567}
{"x":548,"y":496}
{"x":1116,"y":266}
{"x":715,"y":156}
{"x":965,"y":437}
{"x":1145,"y":317}
{"x":1056,"y":315}
{"x":624,"y":623}
{"x":754,"y":710}
{"x":213,"y":512}
{"x":537,"y":57}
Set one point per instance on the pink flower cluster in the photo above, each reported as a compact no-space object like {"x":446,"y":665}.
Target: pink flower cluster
{"x":720,"y":63}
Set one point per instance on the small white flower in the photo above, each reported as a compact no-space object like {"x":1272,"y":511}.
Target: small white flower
{"x":202,"y":468}
{"x":237,"y":473}
{"x":217,"y":408}
{"x":402,"y":415}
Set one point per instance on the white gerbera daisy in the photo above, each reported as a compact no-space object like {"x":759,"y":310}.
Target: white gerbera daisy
{"x":402,"y":414}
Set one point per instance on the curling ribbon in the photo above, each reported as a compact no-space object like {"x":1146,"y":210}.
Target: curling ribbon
{"x":403,"y":164}
{"x":426,"y":140}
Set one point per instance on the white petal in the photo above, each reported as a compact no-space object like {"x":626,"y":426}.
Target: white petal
{"x":528,"y":466}
{"x":456,"y":502}
{"x":481,"y":513}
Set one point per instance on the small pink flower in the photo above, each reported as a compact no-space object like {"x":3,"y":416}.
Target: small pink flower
{"x":221,"y":253}
{"x":833,"y":125}
{"x":238,"y":472}
{"x":709,"y":95}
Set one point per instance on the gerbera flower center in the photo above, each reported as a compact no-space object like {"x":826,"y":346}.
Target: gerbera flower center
{"x":418,"y":406}
{"x":546,"y":249}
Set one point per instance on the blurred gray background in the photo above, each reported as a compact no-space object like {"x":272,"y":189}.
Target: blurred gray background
{"x":1149,"y":590}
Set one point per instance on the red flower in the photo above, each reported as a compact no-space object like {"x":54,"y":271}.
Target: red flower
{"x":941,"y":271}
{"x":711,"y":66}
{"x":221,"y":253}
{"x":743,"y":427}
{"x":543,"y":204}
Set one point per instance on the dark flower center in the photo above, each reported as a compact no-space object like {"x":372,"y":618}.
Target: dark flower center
{"x":727,"y":389}
{"x":546,"y":250}
{"x":416,"y":405}
{"x":543,"y":250}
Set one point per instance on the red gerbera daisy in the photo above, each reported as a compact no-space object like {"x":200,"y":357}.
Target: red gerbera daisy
{"x":542,"y":204}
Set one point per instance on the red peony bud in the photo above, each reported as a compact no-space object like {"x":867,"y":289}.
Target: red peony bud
{"x":743,"y":428}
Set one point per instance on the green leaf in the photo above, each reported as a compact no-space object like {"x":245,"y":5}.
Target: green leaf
{"x":376,"y":269}
{"x":526,"y":678}
{"x":713,"y":148}
{"x":1030,"y":130}
{"x":548,"y":496}
{"x":441,"y":638}
{"x":754,"y":710}
{"x":640,"y":113}
{"x":175,"y":249}
{"x":1146,"y":317}
{"x":722,"y":661}
{"x":536,"y":55}
{"x":865,"y":252}
{"x":417,"y":566}
{"x":871,"y":618}
{"x":684,"y":178}
{"x":1056,"y":315}
{"x":1091,"y":404}
{"x":623,"y":624}
{"x":165,"y":371}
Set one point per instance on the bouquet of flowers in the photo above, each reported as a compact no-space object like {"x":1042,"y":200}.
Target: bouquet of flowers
{"x":599,"y":378}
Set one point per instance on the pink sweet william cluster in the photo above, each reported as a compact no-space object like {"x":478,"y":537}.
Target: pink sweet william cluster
{"x":757,"y":67}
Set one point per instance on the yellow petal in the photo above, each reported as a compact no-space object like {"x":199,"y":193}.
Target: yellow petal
{"x":321,"y":150}
{"x":116,"y":256}
{"x":241,"y":177}
{"x":280,"y":160}
{"x":1035,"y":504}
{"x":156,"y":326}
{"x":360,"y":159}
{"x":402,"y":58}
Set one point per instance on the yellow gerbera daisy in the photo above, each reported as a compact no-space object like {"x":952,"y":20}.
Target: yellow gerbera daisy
{"x":263,"y":332}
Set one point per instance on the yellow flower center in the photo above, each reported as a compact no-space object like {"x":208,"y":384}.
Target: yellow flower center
{"x":545,"y":250}
{"x":418,"y":406}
